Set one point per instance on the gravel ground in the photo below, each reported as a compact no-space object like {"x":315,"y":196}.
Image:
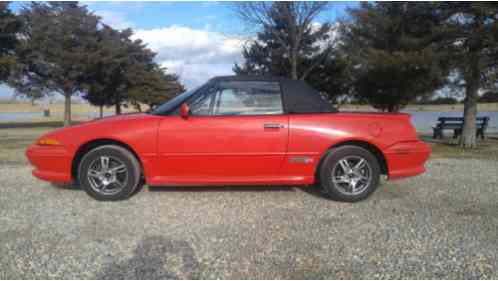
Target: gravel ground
{"x":443,"y":224}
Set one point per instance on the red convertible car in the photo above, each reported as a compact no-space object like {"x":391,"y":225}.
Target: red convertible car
{"x":234,"y":131}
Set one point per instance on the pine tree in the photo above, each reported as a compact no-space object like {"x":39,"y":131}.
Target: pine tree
{"x":290,"y":45}
{"x":116,"y":52}
{"x":152,"y":87}
{"x":393,"y":59}
{"x":55,"y":49}
{"x":9,"y":26}
{"x":124,"y":72}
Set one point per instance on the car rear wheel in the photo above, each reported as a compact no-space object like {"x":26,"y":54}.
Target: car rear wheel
{"x":349,"y":173}
{"x":109,"y":173}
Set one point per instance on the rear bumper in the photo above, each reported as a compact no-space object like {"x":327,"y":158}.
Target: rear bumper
{"x":407,"y":159}
{"x":51,"y":163}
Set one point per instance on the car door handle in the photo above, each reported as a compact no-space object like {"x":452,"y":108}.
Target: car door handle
{"x":273,"y":126}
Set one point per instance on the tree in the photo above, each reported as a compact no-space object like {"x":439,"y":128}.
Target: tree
{"x":288,"y":28}
{"x":332,"y":78}
{"x":118,"y":66}
{"x":442,"y":100}
{"x":27,"y":89}
{"x":107,"y":82}
{"x":489,"y":97}
{"x":152,"y":87}
{"x":470,"y":35}
{"x":289,"y":44}
{"x":393,"y":58}
{"x":55,"y":49}
{"x":9,"y":26}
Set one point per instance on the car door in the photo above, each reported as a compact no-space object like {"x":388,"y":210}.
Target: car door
{"x":236,"y":131}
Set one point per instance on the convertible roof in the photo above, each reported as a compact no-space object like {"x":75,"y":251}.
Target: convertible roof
{"x":297,"y":95}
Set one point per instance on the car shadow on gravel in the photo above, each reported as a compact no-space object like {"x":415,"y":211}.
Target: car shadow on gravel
{"x":221,"y":189}
{"x":66,"y":186}
{"x":314,"y":190}
{"x":141,"y":187}
{"x":155,"y":257}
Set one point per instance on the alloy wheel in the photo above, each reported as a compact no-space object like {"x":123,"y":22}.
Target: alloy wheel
{"x":107,"y":175}
{"x":352,"y":175}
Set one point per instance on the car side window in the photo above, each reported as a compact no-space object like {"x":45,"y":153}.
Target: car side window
{"x":202,"y":104}
{"x":248,"y":98}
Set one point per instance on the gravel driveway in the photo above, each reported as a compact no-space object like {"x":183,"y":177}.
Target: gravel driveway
{"x":443,"y":224}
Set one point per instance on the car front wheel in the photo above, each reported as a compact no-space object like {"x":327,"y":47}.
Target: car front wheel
{"x":349,"y":173}
{"x":109,"y":173}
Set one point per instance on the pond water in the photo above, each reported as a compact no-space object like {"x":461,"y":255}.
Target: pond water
{"x":21,"y":116}
{"x":422,"y":120}
{"x":14,"y":116}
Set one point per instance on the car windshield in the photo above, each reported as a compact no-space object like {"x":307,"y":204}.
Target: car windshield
{"x":174,"y":102}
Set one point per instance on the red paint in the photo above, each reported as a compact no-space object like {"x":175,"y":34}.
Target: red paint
{"x":223,"y":150}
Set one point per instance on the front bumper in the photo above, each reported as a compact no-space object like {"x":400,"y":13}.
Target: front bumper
{"x":406,"y":159}
{"x":51,"y":163}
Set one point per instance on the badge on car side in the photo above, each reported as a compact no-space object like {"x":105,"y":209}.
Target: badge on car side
{"x":301,"y":159}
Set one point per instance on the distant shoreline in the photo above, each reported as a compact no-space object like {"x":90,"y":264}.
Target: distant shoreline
{"x":425,"y":108}
{"x":76,"y":108}
{"x":85,"y":108}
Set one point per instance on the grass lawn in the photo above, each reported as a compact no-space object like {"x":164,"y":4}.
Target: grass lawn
{"x":449,"y":148}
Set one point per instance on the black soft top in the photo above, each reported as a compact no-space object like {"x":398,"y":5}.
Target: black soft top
{"x":297,"y":95}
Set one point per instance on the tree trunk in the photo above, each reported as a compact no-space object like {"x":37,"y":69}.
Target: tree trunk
{"x":468,"y":138}
{"x":294,"y":64}
{"x":118,"y":108}
{"x":67,"y":109}
{"x":101,"y":111}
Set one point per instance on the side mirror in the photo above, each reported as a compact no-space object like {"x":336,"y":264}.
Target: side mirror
{"x":184,"y":111}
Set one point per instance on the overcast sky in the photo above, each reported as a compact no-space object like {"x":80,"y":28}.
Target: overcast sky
{"x":196,"y":40}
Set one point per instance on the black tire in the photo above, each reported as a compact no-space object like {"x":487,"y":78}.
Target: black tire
{"x":334,"y":190}
{"x":118,"y":155}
